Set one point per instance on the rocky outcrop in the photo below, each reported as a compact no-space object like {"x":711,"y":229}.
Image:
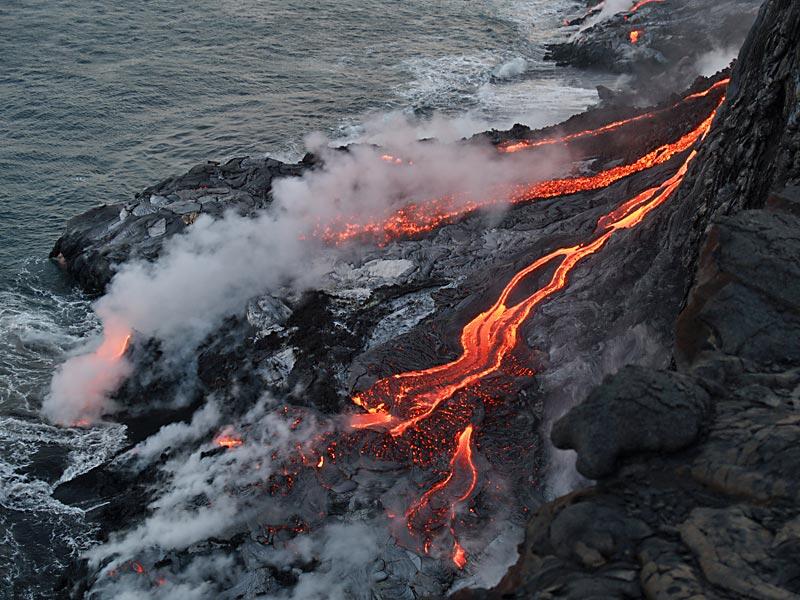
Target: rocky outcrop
{"x":96,"y":242}
{"x":628,"y":413}
{"x":719,"y":518}
{"x":660,"y":46}
{"x":696,"y":467}
{"x":704,"y":459}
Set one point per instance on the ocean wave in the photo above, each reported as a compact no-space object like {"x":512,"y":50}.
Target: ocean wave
{"x":39,"y":325}
{"x":511,"y":68}
{"x":22,"y":440}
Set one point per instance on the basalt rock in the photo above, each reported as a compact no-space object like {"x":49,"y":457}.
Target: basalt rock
{"x":95,"y":243}
{"x":686,"y":460}
{"x":627,"y":415}
{"x":715,"y":518}
{"x":671,"y":43}
{"x":715,"y":477}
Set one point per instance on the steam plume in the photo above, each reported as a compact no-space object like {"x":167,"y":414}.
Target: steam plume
{"x":211,"y":271}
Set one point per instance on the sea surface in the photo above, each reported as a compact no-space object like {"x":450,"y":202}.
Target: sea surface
{"x":100,"y":98}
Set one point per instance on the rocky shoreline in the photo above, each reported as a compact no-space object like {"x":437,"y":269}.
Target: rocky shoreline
{"x":692,"y":445}
{"x":659,"y":46}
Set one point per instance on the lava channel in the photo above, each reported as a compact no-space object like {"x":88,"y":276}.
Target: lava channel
{"x":416,"y":218}
{"x":402,"y":402}
{"x":439,"y":505}
{"x":518,"y":145}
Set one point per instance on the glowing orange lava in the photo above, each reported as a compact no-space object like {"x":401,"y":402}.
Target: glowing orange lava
{"x":228,"y":441}
{"x":400,"y":403}
{"x":516,"y":146}
{"x":642,"y":3}
{"x":441,"y":501}
{"x":635,"y":35}
{"x":115,"y":344}
{"x":417,"y":218}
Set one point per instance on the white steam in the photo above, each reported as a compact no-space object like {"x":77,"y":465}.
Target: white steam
{"x":211,"y":271}
{"x":80,"y":387}
{"x":614,"y":7}
{"x":177,"y":518}
{"x":715,"y":60}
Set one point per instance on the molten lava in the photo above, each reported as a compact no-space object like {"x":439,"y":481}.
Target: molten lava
{"x":417,"y":218}
{"x":407,"y":403}
{"x":635,"y":35}
{"x":642,"y":3}
{"x":440,"y":502}
{"x":490,"y":337}
{"x":228,"y":441}
{"x":516,"y":146}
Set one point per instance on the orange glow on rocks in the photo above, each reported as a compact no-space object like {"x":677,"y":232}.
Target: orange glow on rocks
{"x":228,"y":441}
{"x":635,"y":35}
{"x":459,"y":556}
{"x":440,"y":503}
{"x":416,"y":218}
{"x":419,"y":407}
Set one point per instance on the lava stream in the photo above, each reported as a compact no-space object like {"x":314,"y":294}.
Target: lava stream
{"x":491,"y":336}
{"x":486,"y":341}
{"x":642,"y":3}
{"x":441,"y":501}
{"x":416,"y":218}
{"x":516,"y":146}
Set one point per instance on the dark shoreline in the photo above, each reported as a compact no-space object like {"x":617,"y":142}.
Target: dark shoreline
{"x":670,"y":485}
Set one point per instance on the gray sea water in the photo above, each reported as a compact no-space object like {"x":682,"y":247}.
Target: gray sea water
{"x":100,"y":98}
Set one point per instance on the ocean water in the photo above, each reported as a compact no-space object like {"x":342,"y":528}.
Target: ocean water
{"x":100,"y":98}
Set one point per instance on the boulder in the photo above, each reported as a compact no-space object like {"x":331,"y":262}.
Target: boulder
{"x":637,"y":410}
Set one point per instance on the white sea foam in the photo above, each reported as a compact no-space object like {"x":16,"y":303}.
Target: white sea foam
{"x":20,"y":440}
{"x":511,"y":68}
{"x":37,"y":328}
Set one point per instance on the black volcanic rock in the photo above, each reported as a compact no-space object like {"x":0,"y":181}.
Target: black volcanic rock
{"x":673,"y":39}
{"x":746,"y":292}
{"x":722,"y":511}
{"x":637,"y":410}
{"x":698,"y":468}
{"x":96,"y":242}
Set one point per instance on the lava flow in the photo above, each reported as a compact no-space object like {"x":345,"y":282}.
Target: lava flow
{"x":416,"y":218}
{"x":516,"y":146}
{"x":434,"y":507}
{"x":405,"y":402}
{"x":642,"y":3}
{"x":228,"y":441}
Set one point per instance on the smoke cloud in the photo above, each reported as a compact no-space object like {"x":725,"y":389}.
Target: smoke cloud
{"x":211,"y":271}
